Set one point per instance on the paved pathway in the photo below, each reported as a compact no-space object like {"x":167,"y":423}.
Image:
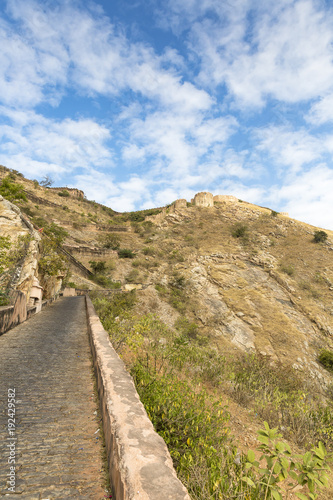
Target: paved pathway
{"x":56,"y":451}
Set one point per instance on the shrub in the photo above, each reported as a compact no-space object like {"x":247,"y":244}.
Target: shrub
{"x":287,"y":269}
{"x":98,"y":267}
{"x":125,"y":253}
{"x":239,"y":230}
{"x":64,"y":193}
{"x":4,"y":298}
{"x":274,"y":213}
{"x":5,"y":245}
{"x":111,"y":241}
{"x":186,"y":328}
{"x":11,"y":190}
{"x":148,"y":251}
{"x":51,"y":263}
{"x":326,"y":359}
{"x":133,"y":276}
{"x":71,"y":284}
{"x":320,"y":236}
{"x":102,"y":280}
{"x":57,"y":233}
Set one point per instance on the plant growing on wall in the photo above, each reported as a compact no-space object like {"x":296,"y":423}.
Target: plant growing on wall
{"x":5,"y":245}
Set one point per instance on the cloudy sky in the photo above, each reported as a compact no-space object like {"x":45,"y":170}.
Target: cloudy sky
{"x":141,"y":102}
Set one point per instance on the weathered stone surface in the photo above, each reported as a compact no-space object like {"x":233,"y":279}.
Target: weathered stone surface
{"x":139,"y":462}
{"x":13,"y":225}
{"x":203,"y":199}
{"x":225,"y":197}
{"x":47,"y":361}
{"x":179,"y":204}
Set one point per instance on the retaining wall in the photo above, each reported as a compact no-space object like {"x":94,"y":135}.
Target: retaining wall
{"x":140,"y":465}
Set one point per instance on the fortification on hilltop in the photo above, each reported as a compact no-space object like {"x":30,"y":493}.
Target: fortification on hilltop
{"x":73,"y":192}
{"x":203,"y":199}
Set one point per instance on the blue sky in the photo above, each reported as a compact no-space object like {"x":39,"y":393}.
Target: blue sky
{"x":139,"y":103}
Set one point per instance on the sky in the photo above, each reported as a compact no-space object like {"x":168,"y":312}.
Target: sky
{"x":141,"y":102}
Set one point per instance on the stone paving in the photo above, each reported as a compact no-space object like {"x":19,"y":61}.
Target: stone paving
{"x":57,"y":452}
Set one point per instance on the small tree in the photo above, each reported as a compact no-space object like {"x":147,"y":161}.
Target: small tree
{"x":111,"y":241}
{"x":47,"y":181}
{"x":320,"y":236}
{"x":98,"y":267}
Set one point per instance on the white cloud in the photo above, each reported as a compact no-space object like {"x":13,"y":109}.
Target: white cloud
{"x":70,"y":46}
{"x":308,"y":197}
{"x":281,"y":50}
{"x":32,"y":142}
{"x":321,"y":111}
{"x":290,"y":148}
{"x":178,"y":142}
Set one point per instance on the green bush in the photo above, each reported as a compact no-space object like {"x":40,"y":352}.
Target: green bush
{"x":111,"y":241}
{"x":98,"y":267}
{"x":326,"y":359}
{"x":51,"y":263}
{"x":125,"y":253}
{"x":239,"y":230}
{"x":11,"y":190}
{"x":320,"y":236}
{"x":5,"y":245}
{"x":64,"y":193}
{"x":4,"y":298}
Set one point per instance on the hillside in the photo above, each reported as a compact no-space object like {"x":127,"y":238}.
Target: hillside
{"x":232,"y":277}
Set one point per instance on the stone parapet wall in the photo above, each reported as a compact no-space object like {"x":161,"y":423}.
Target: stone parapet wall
{"x":140,"y":465}
{"x":225,"y":197}
{"x":73,"y":192}
{"x":13,"y":315}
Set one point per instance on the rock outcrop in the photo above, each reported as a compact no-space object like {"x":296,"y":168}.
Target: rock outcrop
{"x":23,"y":239}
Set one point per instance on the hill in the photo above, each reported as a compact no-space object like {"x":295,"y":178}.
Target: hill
{"x":243,"y":292}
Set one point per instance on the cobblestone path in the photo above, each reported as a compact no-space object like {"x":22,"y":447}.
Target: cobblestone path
{"x":57,"y":451}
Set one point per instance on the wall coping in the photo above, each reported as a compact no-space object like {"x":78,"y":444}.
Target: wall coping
{"x":140,"y":465}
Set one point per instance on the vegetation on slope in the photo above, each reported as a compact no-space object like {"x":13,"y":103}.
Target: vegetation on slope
{"x":179,"y":381}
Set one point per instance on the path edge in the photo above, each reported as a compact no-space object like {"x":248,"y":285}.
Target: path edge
{"x":140,"y":465}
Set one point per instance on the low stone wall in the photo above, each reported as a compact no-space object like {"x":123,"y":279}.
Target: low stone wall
{"x":140,"y":465}
{"x":11,"y":316}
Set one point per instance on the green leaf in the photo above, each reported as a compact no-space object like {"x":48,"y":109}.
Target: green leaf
{"x":284,"y":462}
{"x":307,"y":457}
{"x":251,"y":456}
{"x":301,"y":496}
{"x":280,"y":446}
{"x":277,"y":468}
{"x":263,"y":439}
{"x":276,"y":495}
{"x":248,"y":481}
{"x":293,"y":475}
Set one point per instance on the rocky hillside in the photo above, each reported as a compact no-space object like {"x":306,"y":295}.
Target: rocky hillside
{"x":250,"y":278}
{"x":243,"y":278}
